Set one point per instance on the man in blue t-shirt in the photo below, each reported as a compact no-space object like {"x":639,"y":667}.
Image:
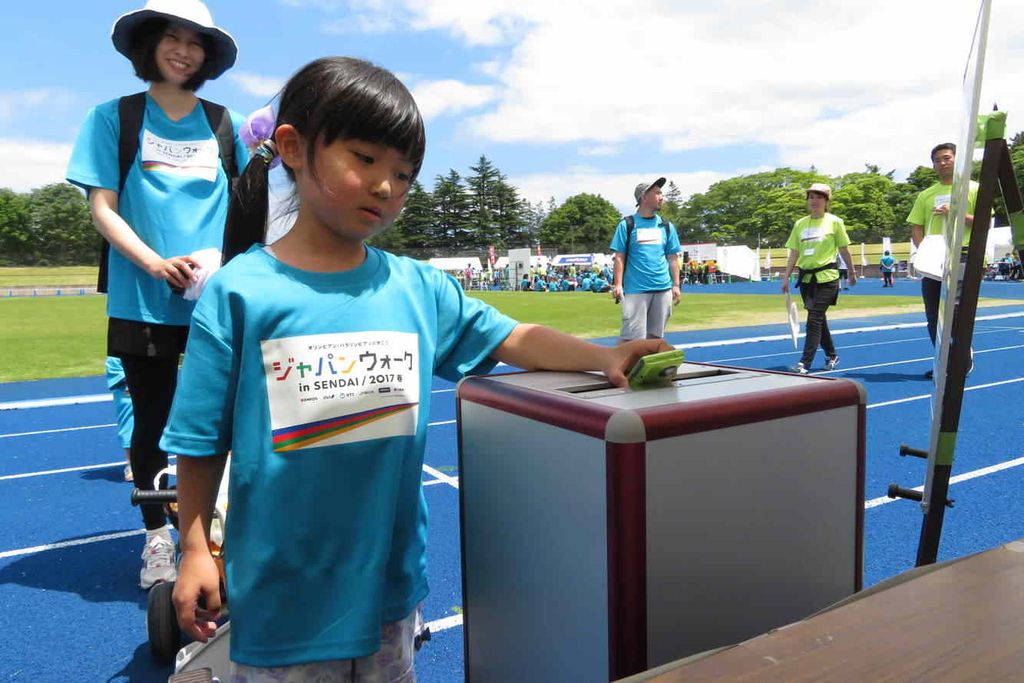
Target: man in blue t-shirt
{"x":646,"y":266}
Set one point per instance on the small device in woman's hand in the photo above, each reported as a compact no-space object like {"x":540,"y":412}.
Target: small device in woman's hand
{"x":176,"y":289}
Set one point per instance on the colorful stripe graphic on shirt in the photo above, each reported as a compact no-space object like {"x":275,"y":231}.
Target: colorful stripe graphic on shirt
{"x":304,"y":435}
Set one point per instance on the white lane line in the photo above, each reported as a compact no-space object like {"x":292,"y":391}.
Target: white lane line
{"x":99,"y":398}
{"x":56,"y":431}
{"x":791,"y":353}
{"x":921,"y":397}
{"x":91,"y":398}
{"x":909,"y":399}
{"x":441,"y":476}
{"x":69,"y":544}
{"x":845,"y":347}
{"x":910,"y":360}
{"x":114,"y":424}
{"x":445,"y":623}
{"x":435,"y":626}
{"x":53,"y":402}
{"x":966,"y":476}
{"x":94,"y":467}
{"x":852,"y":330}
{"x":83,"y":468}
{"x":449,"y":622}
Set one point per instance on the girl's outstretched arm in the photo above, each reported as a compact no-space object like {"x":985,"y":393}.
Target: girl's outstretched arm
{"x":535,"y":347}
{"x":198,"y":482}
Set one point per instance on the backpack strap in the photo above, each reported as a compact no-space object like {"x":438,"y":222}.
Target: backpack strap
{"x":220,"y":123}
{"x":630,"y":226}
{"x":129,"y":116}
{"x":130,"y":109}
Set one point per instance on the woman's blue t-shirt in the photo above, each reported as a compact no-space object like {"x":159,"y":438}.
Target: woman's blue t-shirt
{"x":175,"y":198}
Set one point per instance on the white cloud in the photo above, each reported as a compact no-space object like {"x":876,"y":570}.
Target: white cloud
{"x":436,"y":98}
{"x":599,"y":150}
{"x":836,"y":84}
{"x":13,"y":103}
{"x":28,"y":164}
{"x":256,"y":84}
{"x":362,"y":23}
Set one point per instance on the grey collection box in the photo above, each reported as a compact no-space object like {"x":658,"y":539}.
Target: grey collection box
{"x":606,"y":531}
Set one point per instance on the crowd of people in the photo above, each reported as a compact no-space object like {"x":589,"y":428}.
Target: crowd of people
{"x":566,"y":279}
{"x":1006,"y":268}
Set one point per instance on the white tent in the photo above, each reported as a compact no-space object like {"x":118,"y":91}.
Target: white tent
{"x":574,"y":260}
{"x":705,"y":251}
{"x":1000,"y":241}
{"x":739,"y":261}
{"x":458,"y":263}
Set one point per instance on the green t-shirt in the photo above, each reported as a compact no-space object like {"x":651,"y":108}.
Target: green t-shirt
{"x":935,"y":196}
{"x":817,"y":242}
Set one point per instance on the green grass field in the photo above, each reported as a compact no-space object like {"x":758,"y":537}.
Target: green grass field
{"x":596,"y":315}
{"x":45,"y":337}
{"x":65,"y":276}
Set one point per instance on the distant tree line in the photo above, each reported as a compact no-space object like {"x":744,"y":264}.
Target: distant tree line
{"x":49,"y":226}
{"x":467,"y":214}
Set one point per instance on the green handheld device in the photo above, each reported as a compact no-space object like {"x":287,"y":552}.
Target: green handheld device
{"x":656,"y":369}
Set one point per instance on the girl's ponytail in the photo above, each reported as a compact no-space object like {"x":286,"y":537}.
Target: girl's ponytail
{"x":247,"y":213}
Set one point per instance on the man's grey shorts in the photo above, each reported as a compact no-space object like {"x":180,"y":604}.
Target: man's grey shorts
{"x":645,"y":315}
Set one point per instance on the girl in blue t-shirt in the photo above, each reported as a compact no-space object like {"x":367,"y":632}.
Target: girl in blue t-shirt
{"x":171,"y":203}
{"x":326,"y":554}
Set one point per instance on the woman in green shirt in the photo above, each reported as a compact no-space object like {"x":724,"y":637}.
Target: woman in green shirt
{"x":813,"y":245}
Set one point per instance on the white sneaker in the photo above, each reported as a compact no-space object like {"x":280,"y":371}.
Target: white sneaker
{"x":801,"y":369}
{"x":832,"y":362}
{"x":157,"y":561}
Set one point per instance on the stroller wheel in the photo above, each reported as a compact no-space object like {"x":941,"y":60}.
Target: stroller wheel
{"x":162,"y":623}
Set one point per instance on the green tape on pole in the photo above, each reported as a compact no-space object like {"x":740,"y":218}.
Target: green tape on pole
{"x":946,"y":449}
{"x":1017,"y":229}
{"x":991,"y":126}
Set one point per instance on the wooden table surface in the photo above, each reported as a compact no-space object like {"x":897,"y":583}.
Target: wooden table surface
{"x":963,"y":622}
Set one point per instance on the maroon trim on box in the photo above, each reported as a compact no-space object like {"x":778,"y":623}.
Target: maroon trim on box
{"x":729,"y":411}
{"x":567,"y":412}
{"x":626,"y":477}
{"x":858,"y":577}
{"x":462,"y":545}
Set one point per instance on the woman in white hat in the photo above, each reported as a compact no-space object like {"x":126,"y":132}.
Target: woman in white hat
{"x":814,"y":245}
{"x":156,"y":167}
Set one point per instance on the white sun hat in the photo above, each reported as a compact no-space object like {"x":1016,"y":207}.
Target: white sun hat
{"x":191,"y":13}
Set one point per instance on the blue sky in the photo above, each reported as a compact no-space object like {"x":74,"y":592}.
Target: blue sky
{"x":566,"y":97}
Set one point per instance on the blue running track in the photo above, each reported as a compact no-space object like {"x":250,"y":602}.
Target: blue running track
{"x":71,"y":610}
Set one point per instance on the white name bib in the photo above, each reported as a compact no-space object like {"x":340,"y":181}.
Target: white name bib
{"x":196,"y":159}
{"x":649,"y":235}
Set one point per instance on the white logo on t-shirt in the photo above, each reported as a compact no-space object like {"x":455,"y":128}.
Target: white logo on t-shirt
{"x":193,"y":158}
{"x":328,"y":389}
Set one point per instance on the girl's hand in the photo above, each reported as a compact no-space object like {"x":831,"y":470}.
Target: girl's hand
{"x":622,"y":357}
{"x":197,"y":577}
{"x":176,"y":271}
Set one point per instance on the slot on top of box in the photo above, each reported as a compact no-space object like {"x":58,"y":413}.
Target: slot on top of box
{"x":686,"y":373}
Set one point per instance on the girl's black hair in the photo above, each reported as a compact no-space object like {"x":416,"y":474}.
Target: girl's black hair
{"x":143,"y":54}
{"x":332,"y":98}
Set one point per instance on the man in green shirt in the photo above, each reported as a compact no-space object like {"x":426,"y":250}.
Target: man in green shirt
{"x":928,"y":217}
